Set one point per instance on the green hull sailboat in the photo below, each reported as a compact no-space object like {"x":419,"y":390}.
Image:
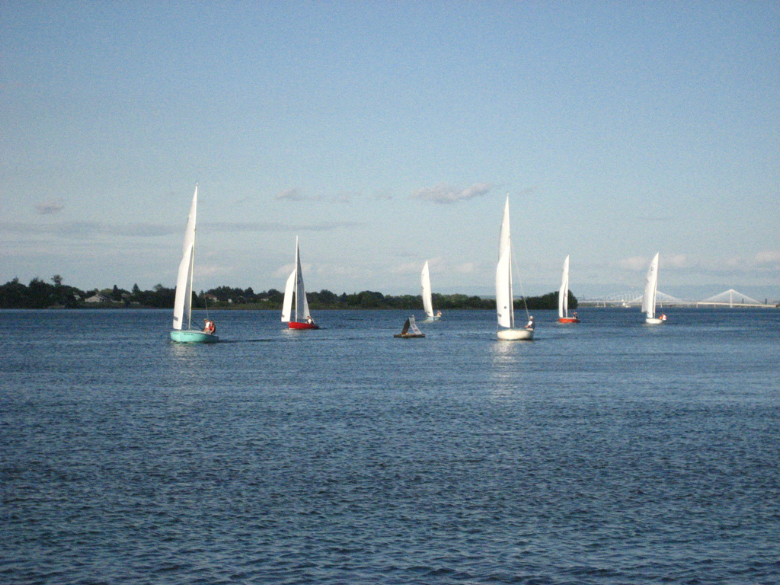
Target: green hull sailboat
{"x":183,"y":304}
{"x":193,"y":336}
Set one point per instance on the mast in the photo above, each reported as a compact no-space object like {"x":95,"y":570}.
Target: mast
{"x":301,"y":304}
{"x":192,"y":276}
{"x":297,"y":272}
{"x":192,"y":256}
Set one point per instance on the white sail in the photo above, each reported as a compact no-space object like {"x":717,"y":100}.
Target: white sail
{"x":413,"y":326}
{"x":426,"y":291}
{"x":504,"y":303}
{"x":504,"y":294}
{"x":301,"y":305}
{"x":183,"y":302}
{"x":305,"y":313}
{"x":504,"y":238}
{"x":651,"y":288}
{"x":563,"y":293}
{"x":288,"y":297}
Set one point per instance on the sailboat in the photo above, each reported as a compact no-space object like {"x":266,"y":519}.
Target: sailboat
{"x":563,"y":297}
{"x":415,"y":331}
{"x":427,"y":297}
{"x":183,"y":304}
{"x":504,"y":293}
{"x":295,"y":288}
{"x":651,"y":290}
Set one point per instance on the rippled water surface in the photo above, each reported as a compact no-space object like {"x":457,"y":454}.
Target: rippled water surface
{"x":606,"y":452}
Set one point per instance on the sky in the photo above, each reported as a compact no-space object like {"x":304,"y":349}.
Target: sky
{"x":385,"y":134}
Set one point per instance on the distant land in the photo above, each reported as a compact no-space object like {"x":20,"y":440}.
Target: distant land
{"x":40,"y":294}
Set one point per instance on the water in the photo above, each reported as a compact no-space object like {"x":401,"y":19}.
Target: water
{"x":605,"y":452}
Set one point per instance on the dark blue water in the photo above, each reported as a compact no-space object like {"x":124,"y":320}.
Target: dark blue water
{"x":606,"y":452}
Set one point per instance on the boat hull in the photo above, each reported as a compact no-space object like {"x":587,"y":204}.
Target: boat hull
{"x":654,"y":321}
{"x":409,"y":335}
{"x":192,"y":336}
{"x":516,"y":334}
{"x":301,"y":326}
{"x":568,"y":320}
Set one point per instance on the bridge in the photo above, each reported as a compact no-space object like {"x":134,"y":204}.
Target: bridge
{"x":730,"y":298}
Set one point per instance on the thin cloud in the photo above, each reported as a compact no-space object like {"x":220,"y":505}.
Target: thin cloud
{"x":635,"y":262}
{"x":51,"y":207}
{"x":278,"y":227}
{"x":344,"y":197}
{"x":408,"y":268}
{"x":768,"y":257}
{"x":297,"y":195}
{"x":88,"y":229}
{"x":91,"y":229}
{"x":675,"y":261}
{"x":445,"y":194}
{"x":466,"y":268}
{"x":667,"y":261}
{"x":291,"y":195}
{"x":655,"y":218}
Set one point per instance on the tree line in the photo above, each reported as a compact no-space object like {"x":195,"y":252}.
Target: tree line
{"x":40,"y":294}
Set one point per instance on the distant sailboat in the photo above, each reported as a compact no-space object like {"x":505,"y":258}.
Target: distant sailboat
{"x":427,"y":296}
{"x":294,"y":288}
{"x":504,"y":293}
{"x":183,"y":302}
{"x":410,"y":325}
{"x":651,"y":290}
{"x":563,"y":297}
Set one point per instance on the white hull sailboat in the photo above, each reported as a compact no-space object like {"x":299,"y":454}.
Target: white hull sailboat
{"x":427,"y":296}
{"x":651,"y":291}
{"x":505,"y":310}
{"x":563,"y":297}
{"x":183,"y":304}
{"x":294,"y":289}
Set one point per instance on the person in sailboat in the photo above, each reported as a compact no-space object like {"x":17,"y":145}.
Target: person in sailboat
{"x":309,"y":320}
{"x":438,"y":314}
{"x":209,"y":327}
{"x":530,"y":324}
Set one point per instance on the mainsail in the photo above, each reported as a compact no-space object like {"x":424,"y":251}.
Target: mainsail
{"x":651,"y":288}
{"x":504,"y":293}
{"x":563,"y":293}
{"x":294,"y":287}
{"x":183,"y":303}
{"x":427,"y":296}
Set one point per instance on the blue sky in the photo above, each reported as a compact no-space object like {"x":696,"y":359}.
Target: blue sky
{"x":387,"y":133}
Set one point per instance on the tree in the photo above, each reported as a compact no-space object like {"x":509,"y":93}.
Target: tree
{"x":57,"y":280}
